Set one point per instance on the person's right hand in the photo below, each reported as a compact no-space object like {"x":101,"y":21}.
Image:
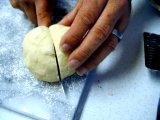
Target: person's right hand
{"x":38,"y":11}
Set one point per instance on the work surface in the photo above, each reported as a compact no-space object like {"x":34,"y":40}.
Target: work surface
{"x":19,"y":90}
{"x":122,"y":87}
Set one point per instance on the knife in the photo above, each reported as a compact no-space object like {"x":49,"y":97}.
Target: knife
{"x":84,"y":95}
{"x":59,"y":74}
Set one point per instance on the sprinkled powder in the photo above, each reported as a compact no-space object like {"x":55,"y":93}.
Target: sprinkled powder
{"x":19,"y":89}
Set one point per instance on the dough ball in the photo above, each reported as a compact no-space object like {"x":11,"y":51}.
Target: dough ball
{"x":39,"y":54}
{"x":57,"y":32}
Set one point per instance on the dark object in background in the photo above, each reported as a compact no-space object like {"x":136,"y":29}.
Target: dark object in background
{"x":157,"y":1}
{"x":155,"y":4}
{"x":152,"y":51}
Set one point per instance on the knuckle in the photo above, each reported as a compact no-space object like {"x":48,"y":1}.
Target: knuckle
{"x":72,"y":39}
{"x":87,"y":18}
{"x":100,"y":33}
{"x":109,"y":14}
{"x":42,"y":16}
{"x":82,"y":55}
{"x":111,"y":17}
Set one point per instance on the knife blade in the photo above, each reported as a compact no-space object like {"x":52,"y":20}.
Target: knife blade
{"x":84,"y":95}
{"x":59,"y":73}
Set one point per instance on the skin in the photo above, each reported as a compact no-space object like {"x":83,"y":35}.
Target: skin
{"x":38,"y":11}
{"x":89,"y":39}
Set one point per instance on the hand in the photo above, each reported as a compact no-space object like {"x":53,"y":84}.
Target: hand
{"x":89,"y":40}
{"x":38,"y":11}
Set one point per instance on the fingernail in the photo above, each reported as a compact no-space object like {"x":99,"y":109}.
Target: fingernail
{"x":81,"y":71}
{"x":74,"y":63}
{"x":65,"y":47}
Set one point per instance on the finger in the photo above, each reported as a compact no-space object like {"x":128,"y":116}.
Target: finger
{"x":68,"y":19}
{"x":83,"y":21}
{"x":124,"y":20}
{"x":97,"y":35}
{"x":29,"y":9}
{"x":43,"y":12}
{"x":107,"y":47}
{"x":16,"y":4}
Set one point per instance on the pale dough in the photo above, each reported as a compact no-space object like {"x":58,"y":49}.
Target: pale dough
{"x":57,"y":31}
{"x":39,"y":54}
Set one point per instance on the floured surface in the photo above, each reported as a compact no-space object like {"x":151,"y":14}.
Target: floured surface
{"x":18,"y":88}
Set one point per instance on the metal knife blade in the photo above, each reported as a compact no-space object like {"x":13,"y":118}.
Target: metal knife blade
{"x":84,"y":95}
{"x":59,"y":73}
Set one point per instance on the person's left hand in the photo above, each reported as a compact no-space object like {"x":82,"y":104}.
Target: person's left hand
{"x":39,"y":12}
{"x":90,"y":37}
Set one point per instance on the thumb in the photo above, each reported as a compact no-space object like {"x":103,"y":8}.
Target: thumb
{"x":43,"y":12}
